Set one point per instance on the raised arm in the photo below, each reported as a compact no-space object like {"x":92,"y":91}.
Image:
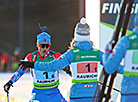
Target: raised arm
{"x":113,"y":60}
{"x":56,"y":64}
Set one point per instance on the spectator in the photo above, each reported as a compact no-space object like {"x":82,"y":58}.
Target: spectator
{"x":15,"y":60}
{"x":4,"y":61}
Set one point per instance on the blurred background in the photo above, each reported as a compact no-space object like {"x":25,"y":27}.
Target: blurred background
{"x":19,"y":26}
{"x":18,"y":30}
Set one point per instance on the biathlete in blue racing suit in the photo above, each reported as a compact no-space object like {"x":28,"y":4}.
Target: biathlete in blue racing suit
{"x":127,"y":48}
{"x":45,"y":83}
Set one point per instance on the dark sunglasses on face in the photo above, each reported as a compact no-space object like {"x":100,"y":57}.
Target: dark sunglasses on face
{"x":44,"y":45}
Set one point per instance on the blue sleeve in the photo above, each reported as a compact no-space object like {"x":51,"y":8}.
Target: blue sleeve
{"x":101,"y":57}
{"x":16,"y":76}
{"x":113,"y":61}
{"x":56,"y":64}
{"x":120,"y":69}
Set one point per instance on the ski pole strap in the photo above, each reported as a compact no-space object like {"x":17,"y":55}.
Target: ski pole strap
{"x":109,"y":51}
{"x":109,"y":87}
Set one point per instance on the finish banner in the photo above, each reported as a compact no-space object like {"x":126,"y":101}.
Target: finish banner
{"x":109,"y":10}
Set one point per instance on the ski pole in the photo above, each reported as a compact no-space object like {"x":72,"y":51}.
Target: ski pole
{"x":110,"y":87}
{"x":124,"y":26}
{"x":7,"y":96}
{"x":122,"y":21}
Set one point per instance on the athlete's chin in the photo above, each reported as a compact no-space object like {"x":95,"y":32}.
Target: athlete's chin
{"x":44,"y":52}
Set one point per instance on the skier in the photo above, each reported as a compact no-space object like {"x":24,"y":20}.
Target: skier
{"x":45,"y":83}
{"x":127,"y":48}
{"x":84,"y":60}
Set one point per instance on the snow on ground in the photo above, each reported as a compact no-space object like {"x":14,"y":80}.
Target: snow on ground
{"x":23,"y":87}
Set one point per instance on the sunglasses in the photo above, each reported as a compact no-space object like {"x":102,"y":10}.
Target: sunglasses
{"x":44,"y":45}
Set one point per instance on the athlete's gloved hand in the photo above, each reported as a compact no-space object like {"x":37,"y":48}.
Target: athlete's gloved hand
{"x":108,"y":51}
{"x":109,"y":46}
{"x":67,"y":70}
{"x":26,"y":64}
{"x":7,"y":86}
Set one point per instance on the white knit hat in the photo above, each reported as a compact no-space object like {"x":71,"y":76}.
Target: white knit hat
{"x":82,"y":31}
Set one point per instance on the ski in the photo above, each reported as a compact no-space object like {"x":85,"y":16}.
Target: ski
{"x":108,"y":80}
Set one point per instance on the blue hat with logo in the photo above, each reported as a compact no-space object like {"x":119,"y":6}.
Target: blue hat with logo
{"x":43,"y":38}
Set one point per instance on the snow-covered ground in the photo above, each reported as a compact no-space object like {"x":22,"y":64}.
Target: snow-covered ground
{"x":23,"y":87}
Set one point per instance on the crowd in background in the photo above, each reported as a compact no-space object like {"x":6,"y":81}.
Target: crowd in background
{"x":9,"y":62}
